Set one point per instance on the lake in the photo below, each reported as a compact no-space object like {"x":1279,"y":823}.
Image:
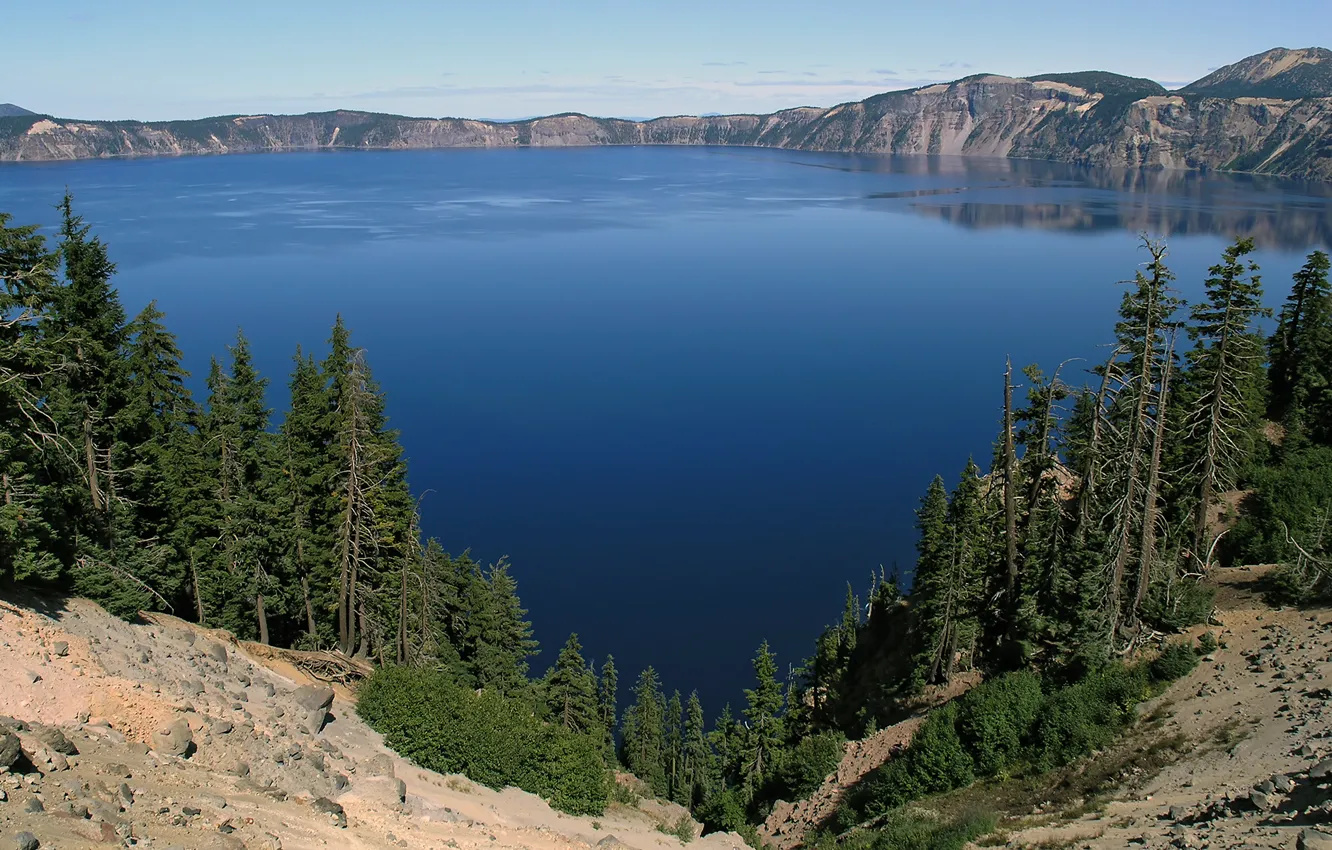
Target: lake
{"x":691,"y":392}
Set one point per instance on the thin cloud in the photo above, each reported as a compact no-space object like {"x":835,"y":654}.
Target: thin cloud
{"x":885,"y":72}
{"x":723,"y":64}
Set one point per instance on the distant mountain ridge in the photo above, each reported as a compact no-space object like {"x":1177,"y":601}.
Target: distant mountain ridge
{"x":1280,"y":73}
{"x":9,"y":110}
{"x":1270,"y":113}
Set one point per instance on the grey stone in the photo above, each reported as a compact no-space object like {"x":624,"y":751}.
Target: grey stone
{"x":26,"y":841}
{"x":1321,"y":770}
{"x":240,"y":768}
{"x":380,"y":765}
{"x":174,"y":739}
{"x":30,"y":676}
{"x":1312,"y":839}
{"x":217,"y":652}
{"x":223,"y":726}
{"x":10,"y":748}
{"x":60,"y":648}
{"x":1283,"y":783}
{"x":313,"y":697}
{"x":1261,"y":800}
{"x":126,"y":794}
{"x":33,"y":806}
{"x":611,"y":843}
{"x":327,"y":806}
{"x":55,"y":739}
{"x":213,"y":801}
{"x":192,"y":687}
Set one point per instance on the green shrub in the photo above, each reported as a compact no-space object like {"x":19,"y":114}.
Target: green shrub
{"x":909,"y":829}
{"x":1207,"y":643}
{"x":1176,"y":661}
{"x":1177,"y":605}
{"x":1291,"y":495}
{"x":995,"y":718}
{"x":489,"y":738}
{"x":809,"y":763}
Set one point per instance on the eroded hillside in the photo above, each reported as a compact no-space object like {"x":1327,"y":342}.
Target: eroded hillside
{"x":170,"y":735}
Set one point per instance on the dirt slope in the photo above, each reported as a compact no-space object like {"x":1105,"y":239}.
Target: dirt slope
{"x":171,"y":736}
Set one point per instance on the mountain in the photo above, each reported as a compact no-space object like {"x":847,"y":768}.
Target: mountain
{"x":1278,"y":73}
{"x":9,"y":110}
{"x":1089,"y":118}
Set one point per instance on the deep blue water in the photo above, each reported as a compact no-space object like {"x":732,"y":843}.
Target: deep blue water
{"x":691,"y":392}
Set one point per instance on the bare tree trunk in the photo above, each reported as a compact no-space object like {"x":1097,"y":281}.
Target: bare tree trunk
{"x":402,"y":614}
{"x":350,"y":551}
{"x":1151,"y":509}
{"x":1136,"y":448}
{"x":4,"y":485}
{"x":90,"y":455}
{"x":309,"y":610}
{"x":1089,"y":481}
{"x":363,"y":650}
{"x":1212,"y":448}
{"x":259,"y":605}
{"x":1010,"y":498}
{"x":194,"y":579}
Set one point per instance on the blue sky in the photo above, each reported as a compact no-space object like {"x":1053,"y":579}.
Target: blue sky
{"x":148,"y":59}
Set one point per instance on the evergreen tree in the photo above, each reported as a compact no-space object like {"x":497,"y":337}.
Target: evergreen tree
{"x":607,"y":693}
{"x":34,"y":543}
{"x":1300,"y":352}
{"x":765,"y":733}
{"x":642,"y":733}
{"x":499,"y":639}
{"x":571,"y":692}
{"x":697,"y":767}
{"x":931,"y":595}
{"x":673,"y":750}
{"x":1226,"y":372}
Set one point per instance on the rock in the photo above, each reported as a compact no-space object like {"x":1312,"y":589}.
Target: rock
{"x":312,"y":697}
{"x":10,"y":748}
{"x":213,"y":801}
{"x":1312,"y":839}
{"x":222,"y":727}
{"x":217,"y":652}
{"x":118,"y":770}
{"x":1178,"y":813}
{"x":29,"y":676}
{"x":327,"y":806}
{"x":139,"y":748}
{"x":174,"y":739}
{"x":60,"y":648}
{"x":1321,"y":770}
{"x":1282,"y":783}
{"x":380,"y":765}
{"x":386,"y":790}
{"x":126,"y":795}
{"x":33,"y":806}
{"x":190,"y":811}
{"x":1261,"y":800}
{"x":26,"y":841}
{"x":55,"y":739}
{"x":270,"y":842}
{"x":192,"y":687}
{"x":240,"y":768}
{"x":610,"y":842}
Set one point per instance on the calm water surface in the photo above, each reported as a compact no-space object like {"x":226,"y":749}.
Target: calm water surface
{"x":691,"y":392}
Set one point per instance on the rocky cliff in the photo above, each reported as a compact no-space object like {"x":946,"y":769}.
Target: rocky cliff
{"x":1089,"y":118}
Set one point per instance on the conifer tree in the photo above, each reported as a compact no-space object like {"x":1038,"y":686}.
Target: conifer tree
{"x":642,"y":733}
{"x":1300,"y":352}
{"x":607,"y":694}
{"x":763,"y":718}
{"x":697,"y":768}
{"x":499,"y":638}
{"x":571,"y":695}
{"x":1226,"y":370}
{"x":673,"y":750}
{"x":33,"y":538}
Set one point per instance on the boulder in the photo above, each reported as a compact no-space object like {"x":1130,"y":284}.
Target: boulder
{"x":1312,"y":839}
{"x":380,"y":765}
{"x":55,"y":739}
{"x":328,"y":807}
{"x":312,"y":697}
{"x":60,"y":648}
{"x":10,"y":748}
{"x":26,"y":841}
{"x":1321,"y":770}
{"x":217,"y":652}
{"x":174,"y":739}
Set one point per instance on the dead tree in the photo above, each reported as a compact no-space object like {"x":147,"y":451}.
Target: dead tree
{"x":1151,"y":512}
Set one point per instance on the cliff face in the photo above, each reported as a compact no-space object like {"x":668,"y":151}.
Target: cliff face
{"x":979,"y":116}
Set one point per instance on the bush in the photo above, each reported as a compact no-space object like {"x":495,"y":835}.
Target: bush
{"x":995,"y":718}
{"x":1176,"y":661}
{"x":810,"y":762}
{"x":1207,"y":643}
{"x":909,"y":829}
{"x":490,"y":739}
{"x":1292,"y":495}
{"x":1177,"y":605}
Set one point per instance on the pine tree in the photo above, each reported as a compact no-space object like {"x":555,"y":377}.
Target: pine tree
{"x":673,"y":750}
{"x":1300,"y":352}
{"x":697,"y":767}
{"x":763,"y":717}
{"x":34,"y":539}
{"x":571,"y":695}
{"x":607,"y":694}
{"x":931,"y":595}
{"x":1226,"y":370}
{"x":642,"y":735}
{"x":499,"y":639}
